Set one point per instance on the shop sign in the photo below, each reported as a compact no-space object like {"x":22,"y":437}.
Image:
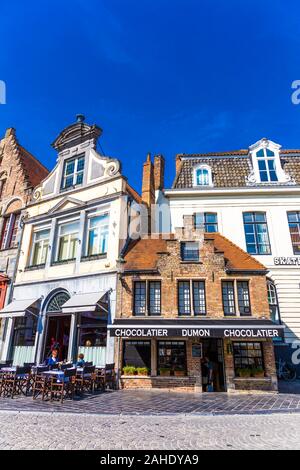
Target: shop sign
{"x":232,"y":332}
{"x":287,"y":261}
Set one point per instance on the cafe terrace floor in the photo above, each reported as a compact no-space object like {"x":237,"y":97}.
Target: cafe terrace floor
{"x":155,"y":402}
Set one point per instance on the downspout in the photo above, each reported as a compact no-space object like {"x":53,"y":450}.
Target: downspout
{"x":119,"y":274}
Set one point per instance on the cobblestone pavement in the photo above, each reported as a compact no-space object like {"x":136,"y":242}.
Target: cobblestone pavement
{"x":157,"y":402}
{"x":27,"y":430}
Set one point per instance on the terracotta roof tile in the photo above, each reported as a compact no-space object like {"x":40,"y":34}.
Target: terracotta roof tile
{"x":143,"y":254}
{"x":133,"y":193}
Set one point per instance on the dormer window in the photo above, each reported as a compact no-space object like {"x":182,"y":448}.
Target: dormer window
{"x":266,"y":165}
{"x":73,"y":172}
{"x":202,"y":176}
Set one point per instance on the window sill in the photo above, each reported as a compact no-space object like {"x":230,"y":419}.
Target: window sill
{"x":93,"y":257}
{"x":191,"y":262}
{"x":253,"y":379}
{"x":35,"y":267}
{"x":66,"y":261}
{"x":70,"y":188}
{"x":235,"y":315}
{"x":10,"y":248}
{"x":135,"y":315}
{"x":190,"y":315}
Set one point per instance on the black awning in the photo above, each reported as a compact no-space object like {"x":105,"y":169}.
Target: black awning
{"x":195,"y":328}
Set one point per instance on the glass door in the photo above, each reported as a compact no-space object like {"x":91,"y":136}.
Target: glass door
{"x":58,"y":335}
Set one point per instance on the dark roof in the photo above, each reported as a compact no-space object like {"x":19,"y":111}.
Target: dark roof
{"x":143,"y":254}
{"x":231,"y":169}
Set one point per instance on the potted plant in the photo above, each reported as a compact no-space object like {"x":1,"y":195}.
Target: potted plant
{"x":258,"y":372}
{"x":129,"y":370}
{"x":142,"y":371}
{"x":165,"y":371}
{"x":179,"y":372}
{"x":243,"y":372}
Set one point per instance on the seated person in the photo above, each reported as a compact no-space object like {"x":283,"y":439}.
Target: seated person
{"x":53,"y":359}
{"x":81,"y":361}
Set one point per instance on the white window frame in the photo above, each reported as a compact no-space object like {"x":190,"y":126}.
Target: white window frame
{"x":59,"y":225}
{"x":35,"y":231}
{"x":91,"y":216}
{"x":10,"y":227}
{"x":195,"y":179}
{"x":265,"y":144}
{"x":75,"y":174}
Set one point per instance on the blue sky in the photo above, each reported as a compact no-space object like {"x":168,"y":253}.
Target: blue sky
{"x":159,"y":76}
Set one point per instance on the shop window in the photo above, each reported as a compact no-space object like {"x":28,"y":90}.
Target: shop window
{"x":40,"y":245}
{"x":247,"y":356}
{"x":294,"y":226}
{"x":191,"y":298}
{"x":73,"y":172}
{"x":228,"y":296}
{"x":10,"y":229}
{"x":137,"y":354}
{"x":207,"y":221}
{"x":92,"y":330}
{"x":147,"y":298}
{"x":171,"y":358}
{"x":68,"y":238}
{"x":25,"y":330}
{"x":190,"y":251}
{"x":97,"y":235}
{"x":256,"y":233}
{"x":243,"y":298}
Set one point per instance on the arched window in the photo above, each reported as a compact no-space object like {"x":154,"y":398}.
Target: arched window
{"x":202,"y":176}
{"x":266,"y":165}
{"x":57,"y":301}
{"x":273,"y":301}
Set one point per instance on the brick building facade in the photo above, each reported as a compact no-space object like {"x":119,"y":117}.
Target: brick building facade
{"x":187,"y":296}
{"x":20,"y":172}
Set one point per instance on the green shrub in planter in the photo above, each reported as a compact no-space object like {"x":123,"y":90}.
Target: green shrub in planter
{"x":165,"y":371}
{"x":142,"y":370}
{"x":257,"y":372}
{"x":129,"y":370}
{"x":243,"y":373}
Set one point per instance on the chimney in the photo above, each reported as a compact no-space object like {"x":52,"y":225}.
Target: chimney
{"x":159,"y":172}
{"x":148,"y":196}
{"x":178,"y":163}
{"x":10,"y":132}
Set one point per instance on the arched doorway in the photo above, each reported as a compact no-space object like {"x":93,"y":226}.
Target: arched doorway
{"x":57,"y":326}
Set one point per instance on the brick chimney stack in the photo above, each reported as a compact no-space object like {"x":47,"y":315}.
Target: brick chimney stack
{"x":159,"y":172}
{"x":148,"y":194}
{"x":178,"y":163}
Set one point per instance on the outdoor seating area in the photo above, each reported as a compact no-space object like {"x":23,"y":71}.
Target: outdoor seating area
{"x":54,"y":383}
